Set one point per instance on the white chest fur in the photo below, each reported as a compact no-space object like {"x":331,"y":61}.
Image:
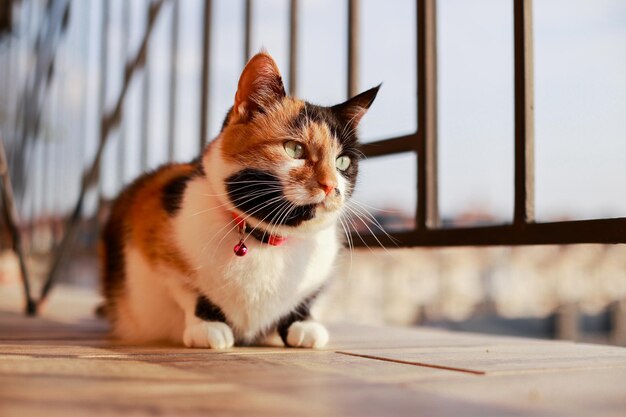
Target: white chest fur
{"x":255,"y":290}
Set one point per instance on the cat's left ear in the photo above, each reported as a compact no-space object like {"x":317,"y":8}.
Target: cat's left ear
{"x":260,"y":85}
{"x":355,"y":108}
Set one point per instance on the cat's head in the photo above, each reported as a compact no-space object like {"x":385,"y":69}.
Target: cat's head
{"x":287,"y":163}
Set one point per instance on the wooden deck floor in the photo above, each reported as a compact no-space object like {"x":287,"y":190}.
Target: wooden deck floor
{"x":62,"y":365}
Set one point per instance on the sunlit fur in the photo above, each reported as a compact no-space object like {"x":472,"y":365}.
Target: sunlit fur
{"x":171,"y":234}
{"x":260,"y":144}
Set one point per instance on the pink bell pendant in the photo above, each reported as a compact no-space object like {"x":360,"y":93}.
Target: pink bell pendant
{"x":240,"y":248}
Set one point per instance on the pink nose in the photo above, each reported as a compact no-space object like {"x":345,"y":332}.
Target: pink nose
{"x":327,"y":187}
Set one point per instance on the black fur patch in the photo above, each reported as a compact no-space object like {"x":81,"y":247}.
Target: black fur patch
{"x":318,"y":114}
{"x":173,"y":194}
{"x":259,"y":194}
{"x":331,"y":117}
{"x":301,"y":312}
{"x":113,"y":274}
{"x":199,"y":169}
{"x":208,"y":311}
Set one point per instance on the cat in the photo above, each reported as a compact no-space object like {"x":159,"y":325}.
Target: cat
{"x":234,"y":246}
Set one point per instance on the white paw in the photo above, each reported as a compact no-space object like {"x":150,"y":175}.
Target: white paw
{"x":307,"y":334}
{"x":209,"y":334}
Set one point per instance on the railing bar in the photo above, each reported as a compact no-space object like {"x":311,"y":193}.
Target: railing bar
{"x":110,"y":120}
{"x":353,"y":47}
{"x":36,"y":82}
{"x":104,"y":54}
{"x":122,"y":153}
{"x":524,"y":206}
{"x":603,"y":231}
{"x":173,"y":107}
{"x":56,"y":111}
{"x":427,"y":215}
{"x":293,"y":47}
{"x":83,"y":133}
{"x":11,"y":219}
{"x":389,"y":146}
{"x":247,"y":46}
{"x":206,"y":75}
{"x":145,"y":116}
{"x":38,"y":154}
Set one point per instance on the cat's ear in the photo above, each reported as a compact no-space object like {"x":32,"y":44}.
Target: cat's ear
{"x":260,"y":86}
{"x":354,"y":109}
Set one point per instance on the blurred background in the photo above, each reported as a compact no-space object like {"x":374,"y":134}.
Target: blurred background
{"x":71,"y":70}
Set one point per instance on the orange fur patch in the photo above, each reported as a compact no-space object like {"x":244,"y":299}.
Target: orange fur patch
{"x":151,"y":228}
{"x":250,"y":141}
{"x":140,"y":220}
{"x":258,"y":143}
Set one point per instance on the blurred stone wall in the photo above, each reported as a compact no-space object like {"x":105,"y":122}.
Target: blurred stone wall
{"x":401,"y":286}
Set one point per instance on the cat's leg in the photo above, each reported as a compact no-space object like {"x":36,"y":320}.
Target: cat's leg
{"x":307,"y":334}
{"x":145,"y":311}
{"x":298,"y":329}
{"x":205,"y":324}
{"x":207,"y":327}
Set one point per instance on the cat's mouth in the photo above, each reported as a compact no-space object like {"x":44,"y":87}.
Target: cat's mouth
{"x":259,"y":194}
{"x":329,"y":205}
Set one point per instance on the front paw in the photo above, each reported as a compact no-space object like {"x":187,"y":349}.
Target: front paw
{"x":209,"y":334}
{"x":307,"y":334}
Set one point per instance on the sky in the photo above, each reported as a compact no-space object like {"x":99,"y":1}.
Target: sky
{"x":580,"y":96}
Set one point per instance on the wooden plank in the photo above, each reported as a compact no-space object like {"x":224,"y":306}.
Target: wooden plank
{"x":57,"y":367}
{"x":571,"y":393}
{"x":346,"y":337}
{"x":80,"y":372}
{"x":303,"y":366}
{"x":89,"y":396}
{"x":506,"y":358}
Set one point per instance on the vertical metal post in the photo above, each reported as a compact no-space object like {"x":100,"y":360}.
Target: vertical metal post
{"x":524,"y":211}
{"x":12,"y":223}
{"x":145,"y":115}
{"x":567,"y":319}
{"x":427,"y":215}
{"x":618,"y":323}
{"x":123,"y":132}
{"x":206,"y":64}
{"x":171,"y":126}
{"x":57,"y":105}
{"x":88,"y":38}
{"x":293,"y":47}
{"x":353,"y":47}
{"x":104,"y":64}
{"x":45,"y":160}
{"x":83,"y":53}
{"x":247,"y":46}
{"x":110,"y":120}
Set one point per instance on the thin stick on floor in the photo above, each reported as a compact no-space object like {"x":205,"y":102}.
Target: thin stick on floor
{"x":9,"y":212}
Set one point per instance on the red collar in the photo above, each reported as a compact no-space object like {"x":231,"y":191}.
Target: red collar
{"x":261,"y":235}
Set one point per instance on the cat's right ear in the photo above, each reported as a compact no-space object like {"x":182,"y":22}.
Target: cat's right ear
{"x":260,"y":86}
{"x":355,"y":108}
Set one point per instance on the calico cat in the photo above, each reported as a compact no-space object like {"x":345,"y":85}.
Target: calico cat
{"x":235,"y":245}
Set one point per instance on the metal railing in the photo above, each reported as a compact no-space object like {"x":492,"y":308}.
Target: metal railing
{"x":423,"y":142}
{"x":523,"y":230}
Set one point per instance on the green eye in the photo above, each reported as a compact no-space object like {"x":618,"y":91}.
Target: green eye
{"x":342,"y":163}
{"x":294,"y":149}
